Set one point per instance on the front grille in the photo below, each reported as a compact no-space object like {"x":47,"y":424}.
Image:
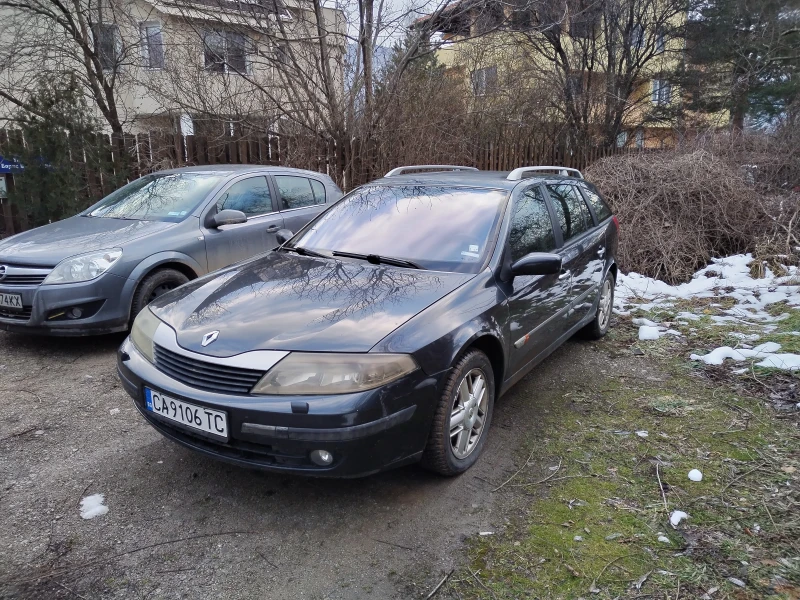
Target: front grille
{"x":205,"y":375}
{"x":14,"y":279}
{"x":17,"y":315}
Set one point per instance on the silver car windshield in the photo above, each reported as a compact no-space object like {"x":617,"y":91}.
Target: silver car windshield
{"x":443,"y":228}
{"x":158,"y":197}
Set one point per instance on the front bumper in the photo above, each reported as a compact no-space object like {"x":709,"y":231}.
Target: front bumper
{"x":366,"y":432}
{"x":105,"y":300}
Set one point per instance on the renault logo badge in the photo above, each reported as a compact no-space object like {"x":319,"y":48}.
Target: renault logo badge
{"x":211,"y":336}
{"x":2,"y":272}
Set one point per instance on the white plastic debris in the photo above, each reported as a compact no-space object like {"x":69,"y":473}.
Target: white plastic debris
{"x":664,"y":539}
{"x":642,"y":433}
{"x":486,"y":533}
{"x":676,"y":517}
{"x":92,"y":506}
{"x":736,"y":582}
{"x":578,"y":538}
{"x":695,"y":475}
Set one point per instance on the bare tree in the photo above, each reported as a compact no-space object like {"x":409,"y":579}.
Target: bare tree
{"x":77,"y":39}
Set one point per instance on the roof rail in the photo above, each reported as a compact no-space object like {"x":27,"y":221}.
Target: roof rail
{"x":401,"y":170}
{"x":518,"y":174}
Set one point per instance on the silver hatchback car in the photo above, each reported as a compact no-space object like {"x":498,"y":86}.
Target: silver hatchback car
{"x":92,"y":273}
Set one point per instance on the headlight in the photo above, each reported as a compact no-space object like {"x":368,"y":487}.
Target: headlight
{"x":83,"y":267}
{"x":143,"y":330}
{"x":312,"y":373}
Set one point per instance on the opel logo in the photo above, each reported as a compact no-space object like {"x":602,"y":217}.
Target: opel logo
{"x":211,"y":336}
{"x":3,"y":272}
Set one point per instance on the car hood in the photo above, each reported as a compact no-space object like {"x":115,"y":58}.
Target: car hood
{"x":50,"y":244}
{"x":282,"y":301}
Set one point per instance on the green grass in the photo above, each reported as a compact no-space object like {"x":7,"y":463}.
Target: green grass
{"x":743,"y":520}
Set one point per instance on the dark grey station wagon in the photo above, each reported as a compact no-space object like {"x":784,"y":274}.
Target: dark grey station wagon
{"x":92,"y":273}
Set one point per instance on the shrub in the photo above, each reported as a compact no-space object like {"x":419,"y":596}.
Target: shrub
{"x":711,"y":197}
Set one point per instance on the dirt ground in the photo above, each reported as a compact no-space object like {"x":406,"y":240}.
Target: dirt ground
{"x":183,"y":526}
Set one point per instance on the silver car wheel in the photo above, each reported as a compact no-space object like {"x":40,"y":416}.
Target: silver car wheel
{"x":468,"y":413}
{"x":604,"y":310}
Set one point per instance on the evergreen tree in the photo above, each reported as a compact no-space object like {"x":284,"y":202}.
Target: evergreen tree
{"x":744,"y":57}
{"x":58,"y":140}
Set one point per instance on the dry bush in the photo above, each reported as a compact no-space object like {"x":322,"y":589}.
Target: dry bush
{"x":713,"y":197}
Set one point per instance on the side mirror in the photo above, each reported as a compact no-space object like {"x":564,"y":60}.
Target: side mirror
{"x":537,"y":263}
{"x":283,"y":235}
{"x":228,"y":217}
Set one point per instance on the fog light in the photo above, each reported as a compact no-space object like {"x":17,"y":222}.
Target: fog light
{"x":321,"y":457}
{"x":74,"y":313}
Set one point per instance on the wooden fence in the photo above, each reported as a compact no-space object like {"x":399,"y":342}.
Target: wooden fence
{"x":111,"y":161}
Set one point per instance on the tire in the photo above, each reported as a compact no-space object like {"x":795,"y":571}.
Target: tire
{"x":440,"y":456}
{"x":152,"y":286}
{"x":602,"y":318}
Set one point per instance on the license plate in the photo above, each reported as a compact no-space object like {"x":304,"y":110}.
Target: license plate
{"x":208,"y":420}
{"x":13,"y":301}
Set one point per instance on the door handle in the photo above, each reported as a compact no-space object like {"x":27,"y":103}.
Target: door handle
{"x":564,"y":275}
{"x":601,"y":253}
{"x":273,"y":228}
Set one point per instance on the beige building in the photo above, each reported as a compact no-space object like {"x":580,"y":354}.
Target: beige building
{"x":500,"y":49}
{"x":187,"y":64}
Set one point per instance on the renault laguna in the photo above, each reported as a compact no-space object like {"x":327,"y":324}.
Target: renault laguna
{"x":381,"y":333}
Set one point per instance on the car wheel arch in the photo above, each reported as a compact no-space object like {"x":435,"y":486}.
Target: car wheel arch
{"x":155,"y":263}
{"x":491,"y":346}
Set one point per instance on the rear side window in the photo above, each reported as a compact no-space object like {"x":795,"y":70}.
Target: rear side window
{"x":601,"y":209}
{"x":572,"y":213}
{"x":319,"y":191}
{"x":531,"y":228}
{"x":297,"y":192}
{"x":251,"y":196}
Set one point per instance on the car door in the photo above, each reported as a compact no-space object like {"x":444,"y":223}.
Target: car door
{"x":300,"y":199}
{"x":581,"y":245}
{"x":228,"y":244}
{"x":537,"y":303}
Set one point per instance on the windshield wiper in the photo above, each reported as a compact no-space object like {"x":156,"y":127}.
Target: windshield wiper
{"x":303,"y":251}
{"x":376,"y":259}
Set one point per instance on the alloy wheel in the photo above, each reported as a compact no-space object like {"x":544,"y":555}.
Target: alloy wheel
{"x":604,"y":313}
{"x":468,"y":413}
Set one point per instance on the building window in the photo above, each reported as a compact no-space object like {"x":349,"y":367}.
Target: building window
{"x":637,"y":36}
{"x":640,"y":138}
{"x":622,"y":139}
{"x":484,"y":81}
{"x":574,"y":85}
{"x":661,"y":92}
{"x":661,"y":40}
{"x":152,"y":45}
{"x":282,"y":54}
{"x":107,"y":44}
{"x":225,"y":51}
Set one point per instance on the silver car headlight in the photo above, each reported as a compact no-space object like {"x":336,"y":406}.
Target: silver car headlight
{"x":143,"y":331}
{"x":83,"y":267}
{"x":304,"y":373}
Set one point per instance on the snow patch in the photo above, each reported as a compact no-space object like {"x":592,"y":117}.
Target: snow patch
{"x":766,"y":352}
{"x":676,"y":517}
{"x":92,"y":506}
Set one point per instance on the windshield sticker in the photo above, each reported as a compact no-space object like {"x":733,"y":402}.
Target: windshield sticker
{"x":174,"y":213}
{"x":470,"y":254}
{"x":474,"y":248}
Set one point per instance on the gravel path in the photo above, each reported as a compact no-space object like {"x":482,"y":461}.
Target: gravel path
{"x":183,"y":526}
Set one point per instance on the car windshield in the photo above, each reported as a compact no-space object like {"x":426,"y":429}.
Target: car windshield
{"x":444,"y":228}
{"x":159,"y":197}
